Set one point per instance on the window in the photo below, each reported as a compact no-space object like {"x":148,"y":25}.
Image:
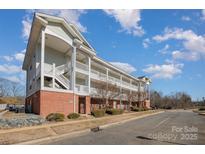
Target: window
{"x":30,"y":67}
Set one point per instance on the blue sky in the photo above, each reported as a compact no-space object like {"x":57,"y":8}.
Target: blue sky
{"x":166,"y":45}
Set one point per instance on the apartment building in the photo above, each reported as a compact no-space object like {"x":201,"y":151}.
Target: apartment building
{"x":65,"y":75}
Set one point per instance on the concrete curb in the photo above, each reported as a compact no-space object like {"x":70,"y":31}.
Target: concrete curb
{"x":55,"y":137}
{"x":77,"y":133}
{"x":131,"y":119}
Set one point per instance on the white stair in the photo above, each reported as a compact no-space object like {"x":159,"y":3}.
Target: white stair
{"x":59,"y":74}
{"x":63,"y":80}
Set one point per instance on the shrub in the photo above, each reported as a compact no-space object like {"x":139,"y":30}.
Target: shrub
{"x":202,"y":108}
{"x":98,"y":113}
{"x":55,"y":117}
{"x":138,"y":109}
{"x":135,"y":109}
{"x":73,"y":116}
{"x":145,"y":109}
{"x":114,"y":111}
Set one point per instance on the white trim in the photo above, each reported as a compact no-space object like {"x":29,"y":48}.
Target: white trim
{"x":69,"y":27}
{"x":57,"y":90}
{"x":50,"y":32}
{"x":73,"y":75}
{"x":54,"y":74}
{"x":42,"y":57}
{"x":89,"y":70}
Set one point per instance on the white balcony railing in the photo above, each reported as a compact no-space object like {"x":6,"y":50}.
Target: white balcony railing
{"x":81,"y":88}
{"x":98,"y":75}
{"x":82,"y":67}
{"x":48,"y":68}
{"x":114,"y":80}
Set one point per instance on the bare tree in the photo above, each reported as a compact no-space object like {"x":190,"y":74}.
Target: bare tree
{"x":15,"y":89}
{"x":101,"y":93}
{"x":106,"y":92}
{"x":132,"y":97}
{"x":3,"y":91}
{"x":113,"y":91}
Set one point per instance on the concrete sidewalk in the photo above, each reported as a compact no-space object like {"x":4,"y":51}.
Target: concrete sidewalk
{"x":35,"y":134}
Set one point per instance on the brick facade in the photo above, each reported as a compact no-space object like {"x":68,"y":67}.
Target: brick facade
{"x":46,"y":102}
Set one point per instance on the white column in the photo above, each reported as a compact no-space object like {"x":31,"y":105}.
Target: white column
{"x":139,"y":89}
{"x":149,"y":91}
{"x":73,"y":76}
{"x":130,"y":85}
{"x":89,"y":70}
{"x":42,"y":57}
{"x":107,"y":71}
{"x":73,"y":68}
{"x":120,"y":91}
{"x":54,"y":74}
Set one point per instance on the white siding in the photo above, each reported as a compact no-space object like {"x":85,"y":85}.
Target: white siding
{"x":53,"y":56}
{"x":59,"y":30}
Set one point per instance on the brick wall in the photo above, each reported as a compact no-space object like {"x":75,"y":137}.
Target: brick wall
{"x":46,"y":102}
{"x":88,"y":106}
{"x":60,"y":102}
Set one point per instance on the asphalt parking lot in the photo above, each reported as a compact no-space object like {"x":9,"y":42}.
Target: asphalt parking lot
{"x":171,"y":127}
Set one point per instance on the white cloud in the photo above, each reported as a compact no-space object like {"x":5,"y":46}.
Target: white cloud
{"x":164,"y":71}
{"x":13,"y":79}
{"x":164,"y":50}
{"x":26,"y":22}
{"x":185,"y":18}
{"x":192,"y":56}
{"x":8,"y":58}
{"x":10,"y":69}
{"x":20,"y":55}
{"x":193,"y":44}
{"x":128,"y":19}
{"x":72,"y":16}
{"x":124,"y":66}
{"x":203,"y":14}
{"x":146,"y":42}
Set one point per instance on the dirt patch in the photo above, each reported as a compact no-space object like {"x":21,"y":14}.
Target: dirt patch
{"x":22,"y":136}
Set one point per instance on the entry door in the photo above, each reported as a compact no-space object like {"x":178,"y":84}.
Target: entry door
{"x":114,"y":104}
{"x":82,"y":105}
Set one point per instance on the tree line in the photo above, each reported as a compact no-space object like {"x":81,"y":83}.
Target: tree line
{"x":175,"y":100}
{"x":11,"y":92}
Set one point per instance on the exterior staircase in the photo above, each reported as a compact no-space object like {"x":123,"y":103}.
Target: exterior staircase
{"x":60,"y":74}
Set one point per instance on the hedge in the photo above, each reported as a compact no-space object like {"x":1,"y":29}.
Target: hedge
{"x":55,"y":117}
{"x":114,"y":111}
{"x":73,"y":116}
{"x":201,"y":108}
{"x":138,"y":109}
{"x":98,"y":113}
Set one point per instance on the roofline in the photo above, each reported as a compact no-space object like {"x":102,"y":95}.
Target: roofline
{"x":74,"y":29}
{"x":35,"y":20}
